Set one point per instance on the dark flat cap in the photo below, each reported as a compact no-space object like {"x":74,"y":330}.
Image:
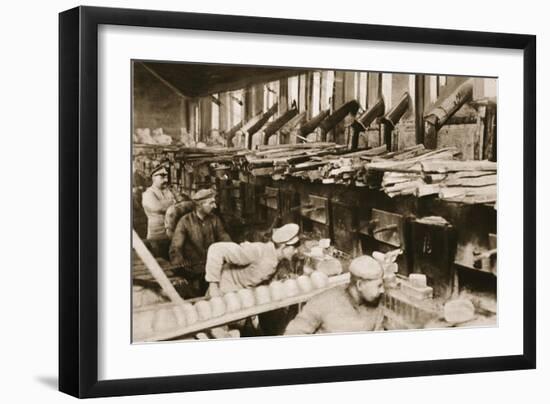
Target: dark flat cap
{"x":203,"y":194}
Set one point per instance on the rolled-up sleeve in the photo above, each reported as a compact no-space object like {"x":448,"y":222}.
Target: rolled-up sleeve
{"x":224,"y":252}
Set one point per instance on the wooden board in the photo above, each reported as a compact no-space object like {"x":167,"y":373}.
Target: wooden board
{"x":440,"y":166}
{"x":155,"y":269}
{"x":471,"y":182}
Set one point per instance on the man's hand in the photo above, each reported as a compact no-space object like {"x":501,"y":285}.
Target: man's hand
{"x":214,"y":290}
{"x":177,"y":260}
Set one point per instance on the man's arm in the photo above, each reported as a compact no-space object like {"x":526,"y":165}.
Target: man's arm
{"x":152,"y":204}
{"x":176,"y":246}
{"x":307,"y":321}
{"x":221,"y":234}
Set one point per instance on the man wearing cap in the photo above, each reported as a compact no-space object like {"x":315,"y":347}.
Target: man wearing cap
{"x":155,"y":201}
{"x":232,"y":266}
{"x":345,"y":309}
{"x":194,"y":233}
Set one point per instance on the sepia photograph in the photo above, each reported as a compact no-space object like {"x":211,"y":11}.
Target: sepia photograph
{"x":272,"y":201}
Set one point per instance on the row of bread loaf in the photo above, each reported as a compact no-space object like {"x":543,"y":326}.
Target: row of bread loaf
{"x":172,"y":317}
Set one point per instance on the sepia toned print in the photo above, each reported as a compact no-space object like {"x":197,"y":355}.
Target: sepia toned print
{"x":274,"y":201}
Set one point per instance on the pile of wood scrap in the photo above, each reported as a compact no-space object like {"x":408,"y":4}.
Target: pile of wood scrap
{"x":368,"y":167}
{"x":470,"y":182}
{"x":328,"y":163}
{"x":281,"y":160}
{"x":412,"y":171}
{"x":344,"y":168}
{"x":400,"y":173}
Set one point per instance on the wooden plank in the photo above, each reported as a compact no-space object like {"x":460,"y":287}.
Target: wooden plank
{"x":403,"y":192}
{"x":480,"y":181}
{"x":334,"y":281}
{"x":155,"y":269}
{"x":405,"y":151}
{"x":460,"y":174}
{"x":391,"y":178}
{"x":471,"y":182}
{"x":411,"y":154}
{"x":474,"y":199}
{"x":259,"y":172}
{"x":427,"y":189}
{"x":403,"y":186}
{"x":298,"y":146}
{"x":454,"y":166}
{"x":484,"y":194}
{"x":441,"y":154}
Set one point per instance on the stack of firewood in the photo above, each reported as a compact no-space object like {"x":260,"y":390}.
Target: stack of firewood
{"x":470,"y":182}
{"x":412,"y":171}
{"x":402,"y":171}
{"x":281,"y":160}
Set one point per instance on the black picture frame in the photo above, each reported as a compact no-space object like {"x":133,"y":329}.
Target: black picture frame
{"x":78,"y":196}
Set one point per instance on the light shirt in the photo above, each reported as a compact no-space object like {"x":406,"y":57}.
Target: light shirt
{"x":236,"y":266}
{"x":335,"y":311}
{"x":155,"y":202}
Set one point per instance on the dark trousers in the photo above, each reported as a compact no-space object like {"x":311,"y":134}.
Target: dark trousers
{"x":159,"y":248}
{"x":195,"y":285}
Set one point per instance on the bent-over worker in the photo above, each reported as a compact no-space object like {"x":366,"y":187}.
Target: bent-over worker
{"x":345,"y":309}
{"x":232,"y":266}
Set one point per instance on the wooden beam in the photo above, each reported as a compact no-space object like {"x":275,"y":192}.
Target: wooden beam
{"x":162,"y":80}
{"x":155,"y":269}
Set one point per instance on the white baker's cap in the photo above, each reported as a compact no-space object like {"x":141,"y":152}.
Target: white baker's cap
{"x":366,"y":267}
{"x":287,"y":234}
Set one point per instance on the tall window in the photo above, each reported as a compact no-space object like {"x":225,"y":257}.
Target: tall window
{"x":302,"y":95}
{"x":215,"y":124}
{"x":386,"y":89}
{"x":412,"y":92}
{"x":236,"y":108}
{"x":196,"y":115}
{"x":271,"y":94}
{"x":327,"y":89}
{"x":316,"y":93}
{"x":293,"y":89}
{"x":434,"y":90}
{"x":362,"y":89}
